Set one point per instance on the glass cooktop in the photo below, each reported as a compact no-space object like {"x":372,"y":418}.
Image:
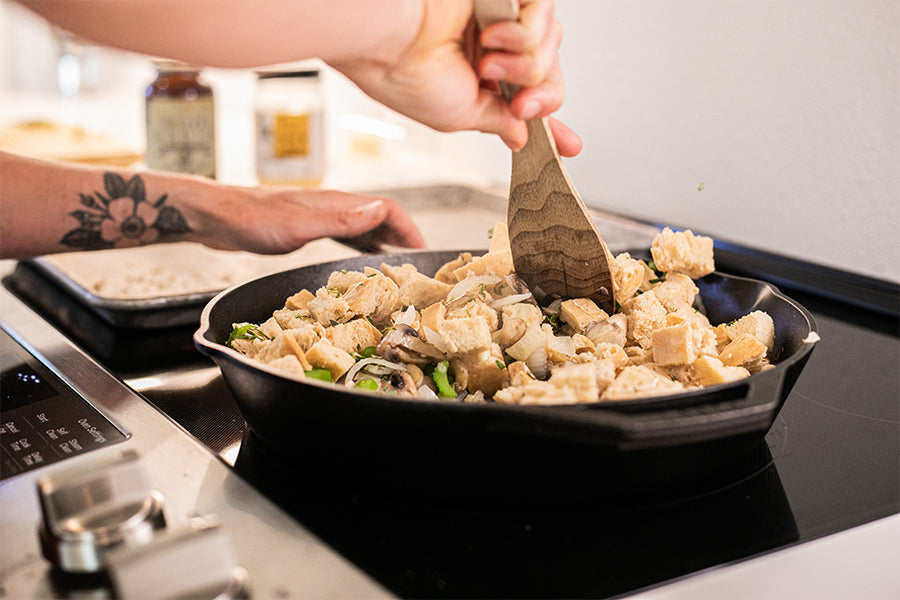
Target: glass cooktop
{"x":831,"y":461}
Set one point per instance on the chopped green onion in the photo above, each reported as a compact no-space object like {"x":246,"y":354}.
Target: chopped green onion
{"x":247,"y":331}
{"x":367,"y":384}
{"x":320,"y":374}
{"x":442,"y":379}
{"x":367,"y":352}
{"x":500,"y":364}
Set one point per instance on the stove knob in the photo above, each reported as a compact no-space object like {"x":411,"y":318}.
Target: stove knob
{"x":89,"y":512}
{"x":196,"y":562}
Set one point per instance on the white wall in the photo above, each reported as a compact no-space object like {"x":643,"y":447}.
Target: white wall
{"x":785,"y":112}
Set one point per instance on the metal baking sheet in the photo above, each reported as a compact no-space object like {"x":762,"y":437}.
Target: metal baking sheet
{"x":449,"y":216}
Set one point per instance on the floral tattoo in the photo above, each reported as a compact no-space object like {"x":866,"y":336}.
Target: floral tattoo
{"x":123,"y":217}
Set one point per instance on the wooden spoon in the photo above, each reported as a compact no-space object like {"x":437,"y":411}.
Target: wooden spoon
{"x":555,"y":244}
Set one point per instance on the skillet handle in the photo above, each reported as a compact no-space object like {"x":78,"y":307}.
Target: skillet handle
{"x":747,"y":407}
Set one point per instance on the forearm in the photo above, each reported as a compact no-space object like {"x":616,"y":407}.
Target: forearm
{"x":242,"y":33}
{"x":50,"y":207}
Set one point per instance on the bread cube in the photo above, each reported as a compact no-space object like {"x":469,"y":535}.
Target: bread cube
{"x":709,"y":370}
{"x":676,"y":291}
{"x":628,"y":274}
{"x":325,"y":355}
{"x":447,"y":274}
{"x":432,"y":317}
{"x":529,"y":313}
{"x":341,"y":281}
{"x":581,"y":314}
{"x":354,"y":335}
{"x":420,"y":291}
{"x":639,"y":381}
{"x":288,"y":364}
{"x":745,"y":348}
{"x":645,"y":313}
{"x":500,"y":238}
{"x":758,"y":324}
{"x":484,"y":369}
{"x":398,"y":274}
{"x":299,"y":300}
{"x":465,"y":334}
{"x":673,"y":345}
{"x":613,"y":352}
{"x":493,"y":263}
{"x":683,"y":252}
{"x":476,"y":308}
{"x":376,"y":296}
{"x":328,"y":307}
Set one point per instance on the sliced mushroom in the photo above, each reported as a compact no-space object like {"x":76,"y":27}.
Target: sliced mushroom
{"x":401,"y":383}
{"x":403,"y":344}
{"x":510,"y":333}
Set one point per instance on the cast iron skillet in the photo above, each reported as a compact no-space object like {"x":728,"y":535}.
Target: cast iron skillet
{"x":625,"y":443}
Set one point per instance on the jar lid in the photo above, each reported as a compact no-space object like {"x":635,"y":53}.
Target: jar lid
{"x":294,"y":73}
{"x":164,"y":65}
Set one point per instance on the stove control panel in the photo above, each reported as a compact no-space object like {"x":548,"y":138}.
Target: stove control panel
{"x":107,"y":519}
{"x":43,"y":420}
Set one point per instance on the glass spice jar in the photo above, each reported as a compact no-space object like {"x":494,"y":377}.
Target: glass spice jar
{"x":181,"y":122}
{"x":290,"y":128}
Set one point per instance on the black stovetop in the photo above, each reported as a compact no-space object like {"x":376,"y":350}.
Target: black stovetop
{"x":831,"y":461}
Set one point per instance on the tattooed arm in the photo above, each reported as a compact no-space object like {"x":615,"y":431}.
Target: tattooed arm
{"x":48,"y":207}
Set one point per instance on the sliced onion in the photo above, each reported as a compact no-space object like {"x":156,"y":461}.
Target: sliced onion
{"x":462,"y":288}
{"x":537,"y":363}
{"x":386,"y":365}
{"x":434,"y":338}
{"x":498,"y":304}
{"x":564,"y":345}
{"x":426,"y":393}
{"x":406,"y":317}
{"x":533,"y":339}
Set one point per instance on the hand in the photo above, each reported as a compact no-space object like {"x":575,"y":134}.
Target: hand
{"x":278,"y":220}
{"x":445,"y":80}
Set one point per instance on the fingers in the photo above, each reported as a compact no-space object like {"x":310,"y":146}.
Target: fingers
{"x":567,"y":141}
{"x":368,"y":223}
{"x":524,"y":51}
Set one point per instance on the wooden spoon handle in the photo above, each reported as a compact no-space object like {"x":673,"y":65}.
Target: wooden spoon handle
{"x":554,"y":240}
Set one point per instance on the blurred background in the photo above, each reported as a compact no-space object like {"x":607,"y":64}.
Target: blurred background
{"x":770,"y":123}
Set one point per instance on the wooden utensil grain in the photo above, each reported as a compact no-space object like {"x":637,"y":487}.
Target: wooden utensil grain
{"x":555,"y":244}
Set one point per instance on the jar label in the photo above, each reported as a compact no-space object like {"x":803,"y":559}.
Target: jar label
{"x":290,"y":135}
{"x":181,"y":136}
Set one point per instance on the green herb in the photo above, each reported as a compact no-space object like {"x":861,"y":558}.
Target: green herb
{"x":367,"y":384}
{"x":500,"y":364}
{"x":333,"y":322}
{"x":320,"y":374}
{"x":491,"y":233}
{"x":371,"y":322}
{"x":343,"y":271}
{"x":442,"y":379}
{"x":554,"y":321}
{"x":618,"y":304}
{"x":658,"y":279}
{"x":246,"y":331}
{"x":371,"y":274}
{"x":334,"y":292}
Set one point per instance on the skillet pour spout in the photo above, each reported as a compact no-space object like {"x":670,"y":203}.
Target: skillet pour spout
{"x":674,"y":436}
